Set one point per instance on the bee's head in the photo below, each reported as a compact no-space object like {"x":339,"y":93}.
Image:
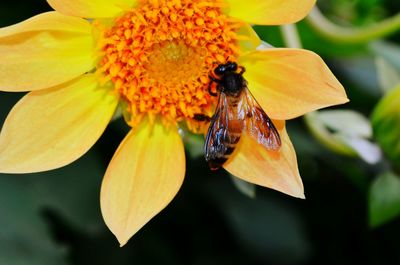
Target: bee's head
{"x":222,"y":69}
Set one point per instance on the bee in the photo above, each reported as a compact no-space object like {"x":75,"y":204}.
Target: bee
{"x":236,"y":112}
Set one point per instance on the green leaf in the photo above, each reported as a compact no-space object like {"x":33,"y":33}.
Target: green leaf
{"x":386,"y":125}
{"x":387,"y":63}
{"x":352,"y":129}
{"x":389,"y":76}
{"x":347,"y":122}
{"x":366,"y":150}
{"x":384,"y":199}
{"x":345,"y":132}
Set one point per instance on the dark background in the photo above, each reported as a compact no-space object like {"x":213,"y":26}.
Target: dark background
{"x":54,"y":217}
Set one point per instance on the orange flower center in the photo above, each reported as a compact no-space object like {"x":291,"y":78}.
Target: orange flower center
{"x":159,"y":56}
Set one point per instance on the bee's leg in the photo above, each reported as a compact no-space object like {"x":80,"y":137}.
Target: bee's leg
{"x":213,"y":79}
{"x":212,"y":93}
{"x":241,"y":69}
{"x":201,"y":117}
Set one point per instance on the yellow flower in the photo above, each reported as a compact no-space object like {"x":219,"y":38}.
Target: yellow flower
{"x":154,"y":57}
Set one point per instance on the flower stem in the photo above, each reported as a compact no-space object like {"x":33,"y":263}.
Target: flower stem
{"x":349,"y":35}
{"x":291,"y":36}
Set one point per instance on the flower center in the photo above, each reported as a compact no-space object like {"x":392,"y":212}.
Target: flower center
{"x":159,"y":56}
{"x":175,"y":64}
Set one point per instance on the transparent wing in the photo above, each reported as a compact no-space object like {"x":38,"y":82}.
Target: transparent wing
{"x":258,"y":124}
{"x":223,"y":134}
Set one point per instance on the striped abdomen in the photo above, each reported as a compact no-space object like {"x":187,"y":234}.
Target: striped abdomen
{"x":224,"y":151}
{"x":224,"y":135}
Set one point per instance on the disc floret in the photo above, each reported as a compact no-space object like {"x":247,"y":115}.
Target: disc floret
{"x":159,"y":56}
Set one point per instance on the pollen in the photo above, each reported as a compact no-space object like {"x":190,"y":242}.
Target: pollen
{"x":160,"y":54}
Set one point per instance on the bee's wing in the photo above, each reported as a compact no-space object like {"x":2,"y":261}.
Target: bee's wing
{"x":223,"y":134}
{"x":258,"y":124}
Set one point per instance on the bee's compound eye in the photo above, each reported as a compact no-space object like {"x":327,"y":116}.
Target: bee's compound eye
{"x":232,"y":66}
{"x":220,"y":70}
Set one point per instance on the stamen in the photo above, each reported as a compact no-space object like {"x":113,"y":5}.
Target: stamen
{"x":159,"y":56}
{"x":175,"y":63}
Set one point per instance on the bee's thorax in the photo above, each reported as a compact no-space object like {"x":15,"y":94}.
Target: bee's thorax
{"x":232,"y":84}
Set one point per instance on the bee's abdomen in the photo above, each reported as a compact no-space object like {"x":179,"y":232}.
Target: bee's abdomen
{"x":223,"y":150}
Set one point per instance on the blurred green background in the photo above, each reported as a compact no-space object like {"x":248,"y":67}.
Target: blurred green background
{"x":350,"y":215}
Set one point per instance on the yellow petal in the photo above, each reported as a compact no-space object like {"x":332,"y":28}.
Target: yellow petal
{"x":91,"y":8}
{"x":270,"y":12}
{"x":51,"y":128}
{"x":276,"y":170}
{"x":44,"y":51}
{"x":248,"y":38}
{"x":144,"y":175}
{"x":49,"y":21}
{"x":291,"y":82}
